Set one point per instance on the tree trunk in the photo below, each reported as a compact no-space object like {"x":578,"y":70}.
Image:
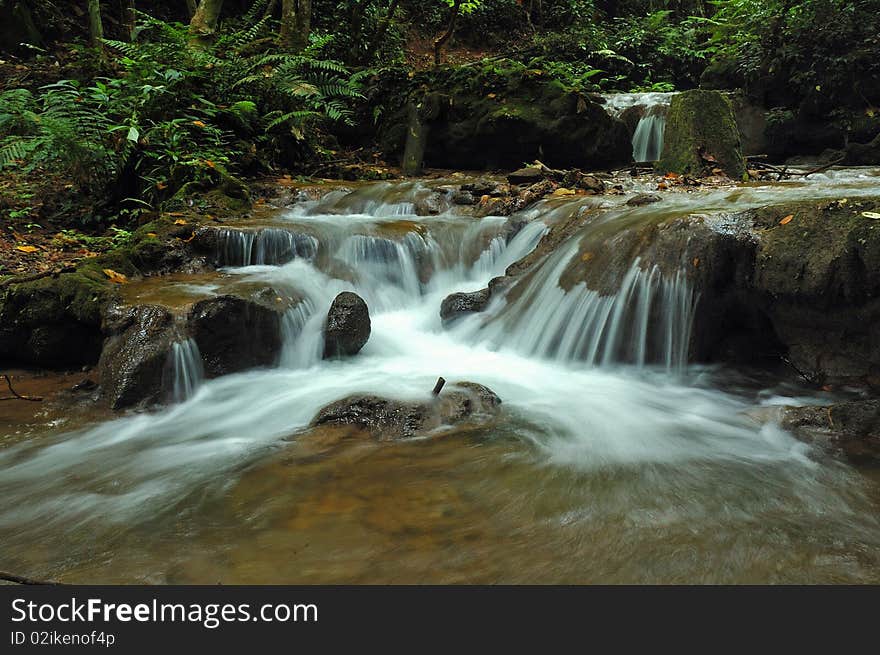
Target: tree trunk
{"x":204,"y":23}
{"x":96,"y":27}
{"x":439,"y":43}
{"x":131,"y":19}
{"x":296,"y":24}
{"x":191,"y":8}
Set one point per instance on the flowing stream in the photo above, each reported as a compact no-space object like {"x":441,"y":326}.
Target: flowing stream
{"x":614,"y":460}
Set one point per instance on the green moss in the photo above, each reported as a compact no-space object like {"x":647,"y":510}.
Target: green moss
{"x":701,"y":133}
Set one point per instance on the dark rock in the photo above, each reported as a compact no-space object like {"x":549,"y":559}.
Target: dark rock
{"x":135,"y":354}
{"x":386,"y":419}
{"x":850,"y":428}
{"x":481,"y":188}
{"x":234,"y":334}
{"x":643,"y":199}
{"x":458,"y":304}
{"x":348,"y":326}
{"x":54,"y":322}
{"x":863,"y":154}
{"x":528,"y":175}
{"x":463,"y":198}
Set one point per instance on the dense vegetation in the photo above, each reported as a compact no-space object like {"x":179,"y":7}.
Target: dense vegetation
{"x":132,"y":106}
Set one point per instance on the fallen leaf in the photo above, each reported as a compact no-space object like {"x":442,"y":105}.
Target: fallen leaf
{"x":191,"y":237}
{"x":161,"y":185}
{"x":199,"y":124}
{"x":484,"y":199}
{"x":870,"y":214}
{"x":786,"y":220}
{"x":662,"y":186}
{"x":671,"y":176}
{"x":27,"y":248}
{"x":562,"y":191}
{"x":491,"y":95}
{"x":152,"y":235}
{"x":696,"y":261}
{"x":209,"y":163}
{"x":180,"y":221}
{"x":587,"y":256}
{"x":117,"y":278}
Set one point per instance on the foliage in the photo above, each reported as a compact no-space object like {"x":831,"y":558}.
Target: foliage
{"x":172,"y":116}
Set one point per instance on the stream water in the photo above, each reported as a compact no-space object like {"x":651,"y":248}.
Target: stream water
{"x":614,"y":461}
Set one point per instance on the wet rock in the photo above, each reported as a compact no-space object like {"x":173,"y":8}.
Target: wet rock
{"x":135,"y":354}
{"x":347,"y":329}
{"x":643,"y":199}
{"x":528,"y":175}
{"x":701,"y":134}
{"x":234,"y":334}
{"x":849,"y":428}
{"x":387,"y":419}
{"x":457,"y":305}
{"x":481,"y":188}
{"x":463,"y":198}
{"x":863,"y":154}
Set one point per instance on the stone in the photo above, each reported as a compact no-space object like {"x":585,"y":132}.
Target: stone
{"x":235,"y":334}
{"x":848,"y":428}
{"x":457,"y":305}
{"x":347,"y":329}
{"x":135,"y":354}
{"x":528,"y":175}
{"x":701,"y":134}
{"x":644,"y":199}
{"x":388,"y":419}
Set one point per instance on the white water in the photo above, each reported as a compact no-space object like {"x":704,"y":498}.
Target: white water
{"x":585,"y":380}
{"x":647,"y":138}
{"x":186,"y":369}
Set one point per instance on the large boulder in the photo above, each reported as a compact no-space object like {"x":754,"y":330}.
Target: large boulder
{"x":135,"y":354}
{"x":347,"y":329}
{"x":701,"y":135}
{"x":234,"y":334}
{"x":849,"y":428}
{"x":54,"y":321}
{"x":387,"y":419}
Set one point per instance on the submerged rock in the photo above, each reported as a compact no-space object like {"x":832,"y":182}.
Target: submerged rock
{"x":850,"y":428}
{"x":701,"y":134}
{"x":388,"y":419}
{"x":644,"y":199}
{"x":347,"y":329}
{"x":234,"y":334}
{"x":135,"y":354}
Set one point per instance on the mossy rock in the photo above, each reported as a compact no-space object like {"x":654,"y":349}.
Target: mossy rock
{"x":54,"y":321}
{"x":701,"y":134}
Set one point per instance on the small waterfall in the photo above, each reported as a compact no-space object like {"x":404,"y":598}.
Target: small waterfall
{"x":405,"y":264}
{"x":266,"y":246}
{"x":647,"y":322}
{"x":648,"y":138}
{"x":652,"y":108}
{"x":186,"y":370}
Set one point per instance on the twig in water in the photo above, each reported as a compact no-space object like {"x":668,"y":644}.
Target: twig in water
{"x":20,"y":579}
{"x":17,"y":396}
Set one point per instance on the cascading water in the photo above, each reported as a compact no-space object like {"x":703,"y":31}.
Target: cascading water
{"x":648,"y":137}
{"x":648,"y":134}
{"x":186,"y":369}
{"x":602,"y":460}
{"x":265,"y":246}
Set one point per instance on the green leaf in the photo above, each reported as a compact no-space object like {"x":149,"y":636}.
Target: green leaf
{"x":133,"y":134}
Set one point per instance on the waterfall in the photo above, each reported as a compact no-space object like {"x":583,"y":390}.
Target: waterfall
{"x":648,"y":138}
{"x":264,"y":246}
{"x":185,"y":368}
{"x":647,"y":322}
